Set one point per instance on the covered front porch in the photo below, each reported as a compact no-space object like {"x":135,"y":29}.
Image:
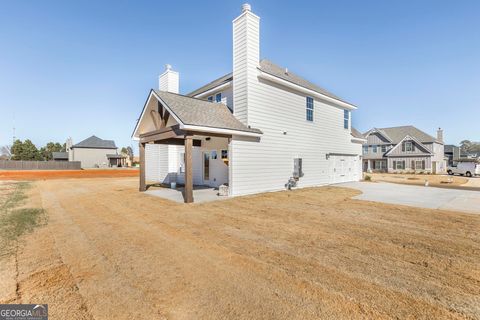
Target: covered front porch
{"x":190,"y":139}
{"x":200,"y":167}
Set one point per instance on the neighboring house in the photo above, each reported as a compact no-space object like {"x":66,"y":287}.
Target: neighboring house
{"x":254,"y":129}
{"x":94,"y":152}
{"x":403,"y":149}
{"x":60,"y":156}
{"x":452,"y":153}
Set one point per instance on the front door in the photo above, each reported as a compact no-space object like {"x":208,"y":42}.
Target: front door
{"x":206,"y":167}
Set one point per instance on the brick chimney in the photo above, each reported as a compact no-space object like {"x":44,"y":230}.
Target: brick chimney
{"x":246,"y":58}
{"x":169,"y":80}
{"x":440,"y":134}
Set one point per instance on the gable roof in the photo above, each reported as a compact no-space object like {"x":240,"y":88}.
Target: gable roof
{"x":215,"y":83}
{"x":407,"y":138}
{"x":95,"y":142}
{"x":356,"y":134}
{"x":397,"y":134}
{"x":198,"y":112}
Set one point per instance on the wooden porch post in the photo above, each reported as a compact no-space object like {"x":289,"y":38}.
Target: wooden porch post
{"x":143,"y":186}
{"x":188,"y":170}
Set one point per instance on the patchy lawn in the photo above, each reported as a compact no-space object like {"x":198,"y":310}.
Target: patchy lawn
{"x":15,"y":219}
{"x":111,"y":252}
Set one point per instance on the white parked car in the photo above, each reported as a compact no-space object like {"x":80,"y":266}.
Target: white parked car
{"x":465,"y":168}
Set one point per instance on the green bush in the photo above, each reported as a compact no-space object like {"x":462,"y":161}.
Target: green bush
{"x":367,"y":178}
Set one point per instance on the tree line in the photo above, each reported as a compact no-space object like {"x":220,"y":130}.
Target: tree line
{"x":470,"y":146}
{"x":28,"y":151}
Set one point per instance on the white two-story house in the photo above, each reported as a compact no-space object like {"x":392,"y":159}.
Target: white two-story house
{"x":254,"y":129}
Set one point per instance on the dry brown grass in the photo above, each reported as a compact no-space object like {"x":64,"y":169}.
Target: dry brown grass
{"x":419,"y":179}
{"x":306,"y":254}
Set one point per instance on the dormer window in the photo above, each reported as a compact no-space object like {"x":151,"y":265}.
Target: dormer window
{"x":218,"y":97}
{"x":408,"y":146}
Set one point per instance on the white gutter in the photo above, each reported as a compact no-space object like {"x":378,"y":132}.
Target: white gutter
{"x":219,"y":130}
{"x":220,"y":87}
{"x":309,"y":92}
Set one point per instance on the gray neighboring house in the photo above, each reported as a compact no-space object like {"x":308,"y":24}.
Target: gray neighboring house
{"x":94,"y":152}
{"x":403,"y":149}
{"x":452,"y":153}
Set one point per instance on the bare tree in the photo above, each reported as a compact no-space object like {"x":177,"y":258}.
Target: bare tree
{"x":6,"y":152}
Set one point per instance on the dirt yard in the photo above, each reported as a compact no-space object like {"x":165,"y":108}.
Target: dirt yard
{"x":66,"y":174}
{"x":419,"y":179}
{"x":109,"y":252}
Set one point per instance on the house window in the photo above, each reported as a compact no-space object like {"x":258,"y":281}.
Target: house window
{"x":214,"y":155}
{"x":384,"y":148}
{"x":379,"y":165}
{"x":346,"y":118}
{"x":374,"y":149}
{"x":224,"y":154}
{"x":365,"y":149}
{"x":399,"y":165}
{"x":408,"y":146}
{"x":309,"y":109}
{"x":210,"y":98}
{"x":218,"y":97}
{"x":419,"y":165}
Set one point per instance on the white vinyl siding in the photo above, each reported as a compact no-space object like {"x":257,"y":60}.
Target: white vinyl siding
{"x":268,"y":164}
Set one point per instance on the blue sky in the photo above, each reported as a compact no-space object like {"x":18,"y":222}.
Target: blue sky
{"x":77,"y":68}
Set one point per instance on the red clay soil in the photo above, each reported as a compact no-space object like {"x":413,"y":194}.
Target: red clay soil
{"x":65,"y":174}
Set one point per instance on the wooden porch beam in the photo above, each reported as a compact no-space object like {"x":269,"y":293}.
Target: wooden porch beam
{"x":161,"y":134}
{"x":179,"y":142}
{"x":207,"y":134}
{"x":143,"y":186}
{"x":188,"y":196}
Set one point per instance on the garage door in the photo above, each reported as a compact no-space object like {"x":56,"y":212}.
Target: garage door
{"x":344,"y":168}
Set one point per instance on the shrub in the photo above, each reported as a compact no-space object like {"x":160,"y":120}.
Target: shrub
{"x":367,"y":178}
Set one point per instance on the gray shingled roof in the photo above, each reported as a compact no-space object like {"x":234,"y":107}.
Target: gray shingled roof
{"x":396,"y":134}
{"x":60,"y":155}
{"x":356,"y":134}
{"x":215,"y":83}
{"x":275,"y":70}
{"x":95,"y":143}
{"x":449,"y":148}
{"x":271,"y":68}
{"x":198,"y":112}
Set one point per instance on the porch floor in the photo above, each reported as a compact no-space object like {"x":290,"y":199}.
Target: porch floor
{"x":200,"y":194}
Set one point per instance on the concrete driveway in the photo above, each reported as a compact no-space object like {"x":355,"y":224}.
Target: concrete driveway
{"x":418,"y":196}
